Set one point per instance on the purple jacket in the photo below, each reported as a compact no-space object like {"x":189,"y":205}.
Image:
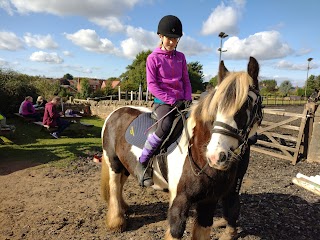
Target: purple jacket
{"x":167,"y":76}
{"x":27,"y":108}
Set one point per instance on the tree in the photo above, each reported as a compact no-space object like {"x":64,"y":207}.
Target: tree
{"x":285,"y":87}
{"x":270,"y":85}
{"x":108,"y":87}
{"x":195,"y":70}
{"x":313,"y":83}
{"x":136,"y":73}
{"x":68,"y":76}
{"x":214,"y":81}
{"x":85,"y":88}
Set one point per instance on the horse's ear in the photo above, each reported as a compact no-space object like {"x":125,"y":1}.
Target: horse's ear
{"x":253,"y":71}
{"x":223,"y":71}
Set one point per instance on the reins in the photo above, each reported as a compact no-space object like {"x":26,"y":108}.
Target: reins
{"x":190,"y":158}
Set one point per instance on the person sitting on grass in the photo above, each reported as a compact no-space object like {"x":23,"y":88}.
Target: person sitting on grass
{"x":27,"y":109}
{"x":52,"y":117}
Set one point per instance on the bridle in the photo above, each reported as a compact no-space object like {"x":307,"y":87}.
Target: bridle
{"x":227,"y":130}
{"x":242,"y":135}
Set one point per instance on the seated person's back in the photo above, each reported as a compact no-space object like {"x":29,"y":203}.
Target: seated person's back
{"x":51,"y":113}
{"x":27,"y":109}
{"x":52,"y":118}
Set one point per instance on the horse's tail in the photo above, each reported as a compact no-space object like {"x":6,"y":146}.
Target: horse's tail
{"x":105,"y":188}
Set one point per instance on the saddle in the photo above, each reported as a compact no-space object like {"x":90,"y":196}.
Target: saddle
{"x":136,"y":134}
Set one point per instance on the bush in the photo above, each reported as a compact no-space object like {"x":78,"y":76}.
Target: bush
{"x":16,"y":86}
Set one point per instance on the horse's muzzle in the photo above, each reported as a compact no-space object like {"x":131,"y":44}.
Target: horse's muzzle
{"x":219,"y":162}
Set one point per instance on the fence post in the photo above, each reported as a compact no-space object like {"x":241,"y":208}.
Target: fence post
{"x":131,"y":96}
{"x":147,"y":93}
{"x":119,"y":93}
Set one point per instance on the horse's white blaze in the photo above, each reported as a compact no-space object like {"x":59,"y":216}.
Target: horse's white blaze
{"x":220,"y":143}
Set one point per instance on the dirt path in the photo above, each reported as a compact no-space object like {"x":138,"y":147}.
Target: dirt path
{"x":48,"y":203}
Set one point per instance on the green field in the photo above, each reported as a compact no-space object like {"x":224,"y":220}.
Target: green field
{"x":29,"y":142}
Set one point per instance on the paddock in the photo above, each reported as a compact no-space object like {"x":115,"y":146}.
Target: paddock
{"x":46,"y":202}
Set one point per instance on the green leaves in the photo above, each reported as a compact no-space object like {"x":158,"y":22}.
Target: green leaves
{"x":195,"y":70}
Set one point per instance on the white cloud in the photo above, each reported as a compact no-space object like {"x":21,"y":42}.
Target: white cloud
{"x":90,"y":41}
{"x":111,"y":23}
{"x":67,"y":53}
{"x":77,"y":68}
{"x":87,"y":8}
{"x":9,"y":41}
{"x":4,"y":63}
{"x":138,"y":40}
{"x":7,"y":64}
{"x":141,"y":40}
{"x":40,"y":41}
{"x":5,"y":4}
{"x":191,"y":47}
{"x":224,"y":18}
{"x":262,"y":45}
{"x":46,"y":57}
{"x":303,"y":51}
{"x":283,"y":64}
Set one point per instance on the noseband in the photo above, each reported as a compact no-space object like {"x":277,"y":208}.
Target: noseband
{"x":242,"y":135}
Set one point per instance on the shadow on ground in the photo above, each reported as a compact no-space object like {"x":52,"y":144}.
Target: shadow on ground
{"x":279,"y":216}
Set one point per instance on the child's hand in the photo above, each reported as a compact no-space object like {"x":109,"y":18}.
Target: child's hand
{"x":187,"y":103}
{"x":178,"y":104}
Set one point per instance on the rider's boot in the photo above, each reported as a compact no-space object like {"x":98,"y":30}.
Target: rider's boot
{"x":142,"y":171}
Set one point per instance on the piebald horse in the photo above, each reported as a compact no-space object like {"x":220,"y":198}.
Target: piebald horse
{"x":204,"y":166}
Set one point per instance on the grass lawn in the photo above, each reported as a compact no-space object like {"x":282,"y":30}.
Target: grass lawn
{"x":31,"y":144}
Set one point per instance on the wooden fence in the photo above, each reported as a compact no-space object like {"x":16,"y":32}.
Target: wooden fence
{"x":284,"y":135}
{"x":277,"y":100}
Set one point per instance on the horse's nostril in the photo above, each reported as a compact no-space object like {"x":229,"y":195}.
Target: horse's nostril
{"x":222,"y":157}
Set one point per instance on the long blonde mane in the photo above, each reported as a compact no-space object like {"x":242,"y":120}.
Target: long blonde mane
{"x":228,"y":98}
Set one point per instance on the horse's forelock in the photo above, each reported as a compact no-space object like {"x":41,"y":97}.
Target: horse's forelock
{"x":228,"y":97}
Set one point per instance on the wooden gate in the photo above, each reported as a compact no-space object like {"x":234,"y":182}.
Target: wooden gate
{"x":282,"y":138}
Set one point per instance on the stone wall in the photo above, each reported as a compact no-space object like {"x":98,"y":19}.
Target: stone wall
{"x":101,"y":108}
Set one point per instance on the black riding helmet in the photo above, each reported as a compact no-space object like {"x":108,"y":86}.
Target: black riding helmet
{"x":170,"y":26}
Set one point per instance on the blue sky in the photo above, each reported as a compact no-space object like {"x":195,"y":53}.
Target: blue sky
{"x":99,"y":38}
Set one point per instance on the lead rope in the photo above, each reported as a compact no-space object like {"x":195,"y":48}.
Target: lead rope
{"x":189,"y":147}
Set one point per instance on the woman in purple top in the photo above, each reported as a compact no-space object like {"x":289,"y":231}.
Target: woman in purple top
{"x":27,"y":109}
{"x":168,"y":81}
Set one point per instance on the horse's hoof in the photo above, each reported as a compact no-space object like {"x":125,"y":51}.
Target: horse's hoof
{"x":229,"y":234}
{"x":220,"y":223}
{"x":117,"y":224}
{"x":168,"y":236}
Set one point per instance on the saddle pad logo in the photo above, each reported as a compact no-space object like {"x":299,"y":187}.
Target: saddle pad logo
{"x":132,"y":131}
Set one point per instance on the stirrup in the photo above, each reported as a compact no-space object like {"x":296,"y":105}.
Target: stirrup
{"x":140,"y":173}
{"x":149,"y":179}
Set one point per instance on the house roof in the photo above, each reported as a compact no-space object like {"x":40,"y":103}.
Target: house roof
{"x":115,"y":83}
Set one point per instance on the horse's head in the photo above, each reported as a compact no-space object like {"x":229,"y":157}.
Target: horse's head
{"x":235,"y":110}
